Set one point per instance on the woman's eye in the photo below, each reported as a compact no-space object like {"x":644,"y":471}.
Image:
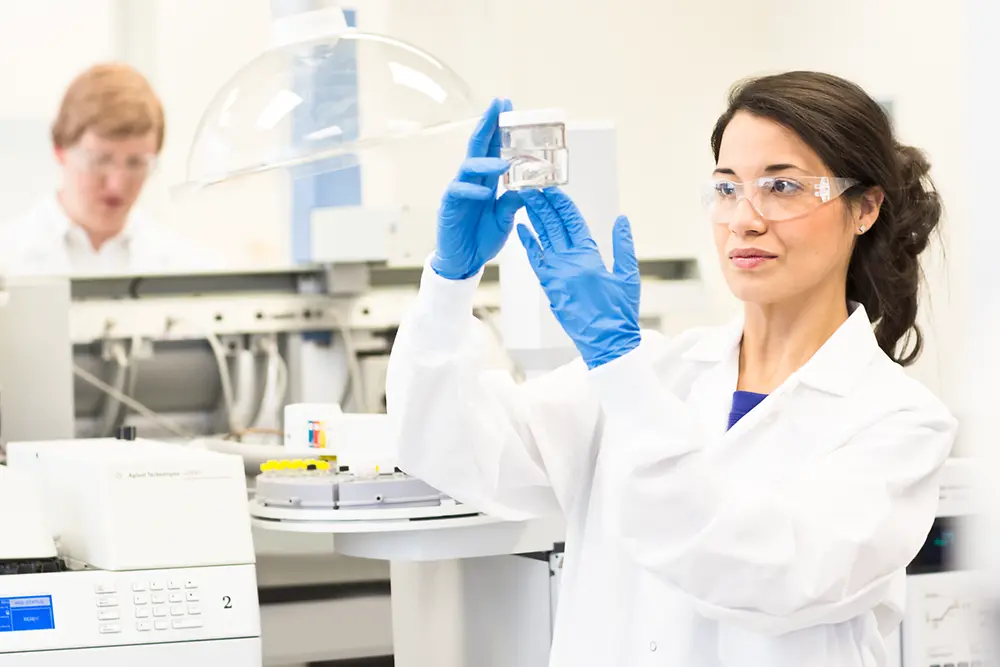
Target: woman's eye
{"x":783,"y":186}
{"x":725,"y":188}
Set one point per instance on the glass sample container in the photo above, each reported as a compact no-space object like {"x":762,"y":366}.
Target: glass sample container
{"x":534,"y":142}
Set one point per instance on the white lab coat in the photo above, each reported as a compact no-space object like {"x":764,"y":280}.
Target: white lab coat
{"x":44,"y":241}
{"x":780,"y":543}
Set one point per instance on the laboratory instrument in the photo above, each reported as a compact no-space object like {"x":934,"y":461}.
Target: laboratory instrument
{"x":219,"y":355}
{"x":353,"y":475}
{"x":27,"y":546}
{"x":36,"y":369}
{"x":534,"y":143}
{"x":311,"y":484}
{"x":945,"y":618}
{"x":155,"y":557}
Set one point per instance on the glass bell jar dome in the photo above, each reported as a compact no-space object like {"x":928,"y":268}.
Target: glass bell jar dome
{"x":388,"y":118}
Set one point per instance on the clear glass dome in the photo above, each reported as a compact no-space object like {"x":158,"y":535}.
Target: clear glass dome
{"x":329,"y":129}
{"x":319,"y":105}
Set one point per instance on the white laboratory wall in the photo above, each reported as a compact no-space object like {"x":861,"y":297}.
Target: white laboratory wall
{"x":43,"y":45}
{"x":197,"y":47}
{"x":980,"y":364}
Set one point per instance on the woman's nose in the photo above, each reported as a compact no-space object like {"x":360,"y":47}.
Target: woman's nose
{"x":747,"y":219}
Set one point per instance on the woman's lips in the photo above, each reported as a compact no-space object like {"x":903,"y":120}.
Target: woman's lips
{"x":750,"y":261}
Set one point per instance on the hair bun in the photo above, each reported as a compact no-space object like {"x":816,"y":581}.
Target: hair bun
{"x":919,"y":202}
{"x":913,"y":164}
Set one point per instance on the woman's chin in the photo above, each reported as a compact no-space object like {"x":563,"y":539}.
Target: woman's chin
{"x":755,"y":289}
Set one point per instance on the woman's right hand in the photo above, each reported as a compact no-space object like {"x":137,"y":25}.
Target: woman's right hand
{"x":473,"y":224}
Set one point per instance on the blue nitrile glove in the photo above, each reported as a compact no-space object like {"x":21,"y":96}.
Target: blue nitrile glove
{"x":473,"y":224}
{"x":599,"y":309}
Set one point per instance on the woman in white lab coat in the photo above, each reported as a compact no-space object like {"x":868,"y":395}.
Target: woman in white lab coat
{"x":107,"y":137}
{"x":746,"y":495}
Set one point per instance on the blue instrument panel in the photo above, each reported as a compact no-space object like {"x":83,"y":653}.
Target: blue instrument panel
{"x":26,"y":613}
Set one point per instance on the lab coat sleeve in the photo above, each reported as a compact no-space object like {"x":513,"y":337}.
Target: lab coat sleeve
{"x":822,"y":545}
{"x":513,"y":451}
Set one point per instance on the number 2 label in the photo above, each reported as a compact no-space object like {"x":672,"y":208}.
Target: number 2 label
{"x":227,"y":602}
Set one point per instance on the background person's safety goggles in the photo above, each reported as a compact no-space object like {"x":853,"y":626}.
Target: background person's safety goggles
{"x":102,"y":164}
{"x":774,"y":198}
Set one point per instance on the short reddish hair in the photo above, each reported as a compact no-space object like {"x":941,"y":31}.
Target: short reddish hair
{"x":112,"y":99}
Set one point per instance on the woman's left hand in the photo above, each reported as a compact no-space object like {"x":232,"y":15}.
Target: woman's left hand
{"x":599,"y":309}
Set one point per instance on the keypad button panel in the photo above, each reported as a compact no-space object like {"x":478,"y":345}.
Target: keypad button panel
{"x":158,"y":605}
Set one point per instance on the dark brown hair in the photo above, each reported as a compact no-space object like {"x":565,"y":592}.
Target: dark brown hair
{"x":853,"y":136}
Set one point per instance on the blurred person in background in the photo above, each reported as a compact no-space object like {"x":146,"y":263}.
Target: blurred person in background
{"x":107,"y":137}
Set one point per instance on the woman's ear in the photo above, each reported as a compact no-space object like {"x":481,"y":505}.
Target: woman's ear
{"x":871,"y":204}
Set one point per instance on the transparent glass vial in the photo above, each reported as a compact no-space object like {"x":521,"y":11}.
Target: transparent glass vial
{"x":534,"y":142}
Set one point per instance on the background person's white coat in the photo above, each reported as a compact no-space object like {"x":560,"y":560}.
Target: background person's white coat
{"x":782,"y":542}
{"x":43,"y":241}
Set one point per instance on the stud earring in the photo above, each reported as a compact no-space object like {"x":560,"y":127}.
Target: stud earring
{"x":861,"y":229}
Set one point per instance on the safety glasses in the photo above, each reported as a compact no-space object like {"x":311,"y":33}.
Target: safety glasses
{"x":774,"y":198}
{"x":102,"y":164}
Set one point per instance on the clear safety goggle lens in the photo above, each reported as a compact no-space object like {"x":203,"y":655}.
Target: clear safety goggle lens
{"x":775,"y":198}
{"x":102,"y":164}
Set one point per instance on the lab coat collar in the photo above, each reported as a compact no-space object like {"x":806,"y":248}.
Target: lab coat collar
{"x":62,"y":226}
{"x":835,"y":367}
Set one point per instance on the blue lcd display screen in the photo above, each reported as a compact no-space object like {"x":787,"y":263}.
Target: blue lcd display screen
{"x":26,"y":613}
